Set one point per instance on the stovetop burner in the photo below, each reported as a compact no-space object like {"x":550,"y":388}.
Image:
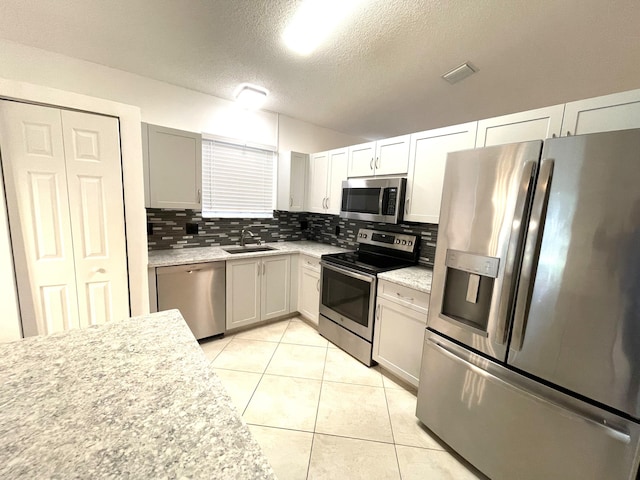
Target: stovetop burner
{"x":378,"y":252}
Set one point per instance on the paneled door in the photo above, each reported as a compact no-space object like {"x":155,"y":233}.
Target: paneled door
{"x":94,"y":180}
{"x":66,"y":216}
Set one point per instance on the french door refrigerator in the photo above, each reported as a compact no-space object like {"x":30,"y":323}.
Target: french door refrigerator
{"x":531,"y":362}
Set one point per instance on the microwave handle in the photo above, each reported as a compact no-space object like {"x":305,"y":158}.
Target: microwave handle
{"x":381,"y":201}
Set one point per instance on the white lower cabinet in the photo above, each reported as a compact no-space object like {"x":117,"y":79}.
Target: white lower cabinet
{"x":401,"y":318}
{"x":257,"y":289}
{"x":309,"y":288}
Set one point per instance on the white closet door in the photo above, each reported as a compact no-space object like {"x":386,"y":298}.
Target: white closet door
{"x":94,"y":179}
{"x":36,"y":188}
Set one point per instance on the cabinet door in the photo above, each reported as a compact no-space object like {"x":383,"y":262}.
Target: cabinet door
{"x":309,"y":294}
{"x":428,"y":158}
{"x":520,"y":127}
{"x":398,"y":340}
{"x":317,"y":182}
{"x":175,"y":168}
{"x":361,"y":160}
{"x":392,"y":156}
{"x":275,"y":285}
{"x":298,"y":181}
{"x":337,"y":174}
{"x":243,"y":292}
{"x":619,"y":111}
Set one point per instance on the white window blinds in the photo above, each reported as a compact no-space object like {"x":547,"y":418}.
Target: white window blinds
{"x":237,"y":180}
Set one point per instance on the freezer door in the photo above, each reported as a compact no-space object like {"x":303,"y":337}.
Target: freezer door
{"x":577,"y":318}
{"x":511,"y":427}
{"x":485,"y":201}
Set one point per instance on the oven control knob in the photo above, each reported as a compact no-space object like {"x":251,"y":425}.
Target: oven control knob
{"x":397,"y":241}
{"x":404,"y":242}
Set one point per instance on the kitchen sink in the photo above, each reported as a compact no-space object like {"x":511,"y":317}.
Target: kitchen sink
{"x":248,"y":249}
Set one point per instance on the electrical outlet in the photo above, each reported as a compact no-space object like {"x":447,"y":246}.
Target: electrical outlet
{"x":337,"y":230}
{"x":192,"y":228}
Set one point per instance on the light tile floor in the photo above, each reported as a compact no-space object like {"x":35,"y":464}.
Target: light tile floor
{"x":320,"y":414}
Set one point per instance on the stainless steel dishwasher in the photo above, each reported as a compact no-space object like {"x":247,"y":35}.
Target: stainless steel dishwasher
{"x":198,"y":291}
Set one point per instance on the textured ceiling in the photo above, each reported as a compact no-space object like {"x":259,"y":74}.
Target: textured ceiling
{"x":378,"y":76}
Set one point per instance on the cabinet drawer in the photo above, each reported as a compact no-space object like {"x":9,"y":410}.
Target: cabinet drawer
{"x":307,"y":261}
{"x":409,"y":297}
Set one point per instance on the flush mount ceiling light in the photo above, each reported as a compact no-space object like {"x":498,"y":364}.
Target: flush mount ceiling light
{"x":460,"y":73}
{"x":250,"y":96}
{"x":314,"y":21}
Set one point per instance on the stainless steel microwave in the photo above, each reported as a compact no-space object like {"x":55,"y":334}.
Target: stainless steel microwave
{"x":374,"y":199}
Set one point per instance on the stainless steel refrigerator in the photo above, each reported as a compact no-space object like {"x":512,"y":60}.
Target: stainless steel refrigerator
{"x":531,"y":361}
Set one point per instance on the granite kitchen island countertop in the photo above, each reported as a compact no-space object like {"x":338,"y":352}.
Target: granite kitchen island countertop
{"x":184,"y":256}
{"x":418,"y":277}
{"x":129,"y":399}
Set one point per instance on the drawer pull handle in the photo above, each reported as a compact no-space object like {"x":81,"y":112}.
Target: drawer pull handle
{"x":410,"y":299}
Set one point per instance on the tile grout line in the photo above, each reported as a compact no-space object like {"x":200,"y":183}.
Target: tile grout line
{"x":262,"y":375}
{"x":393,"y":436}
{"x":315,"y":423}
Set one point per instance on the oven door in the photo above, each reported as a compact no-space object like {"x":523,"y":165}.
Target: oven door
{"x":348,"y":298}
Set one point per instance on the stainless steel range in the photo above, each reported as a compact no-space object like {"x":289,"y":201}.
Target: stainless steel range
{"x":348,"y":286}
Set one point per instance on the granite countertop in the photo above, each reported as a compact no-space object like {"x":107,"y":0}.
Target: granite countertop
{"x":129,"y":399}
{"x":418,"y":278}
{"x":183,"y":256}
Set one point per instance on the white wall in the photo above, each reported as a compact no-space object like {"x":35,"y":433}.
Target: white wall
{"x":304,"y":137}
{"x":162,"y":103}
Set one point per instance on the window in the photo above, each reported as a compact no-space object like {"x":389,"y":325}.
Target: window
{"x":237,"y":180}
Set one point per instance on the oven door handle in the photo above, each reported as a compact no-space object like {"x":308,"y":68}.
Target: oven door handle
{"x":348,"y":272}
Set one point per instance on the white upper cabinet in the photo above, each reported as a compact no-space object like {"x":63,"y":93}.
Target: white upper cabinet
{"x":337,"y":174}
{"x":361,"y":160}
{"x":292,"y":172}
{"x":327,"y":171}
{"x":428,"y":158}
{"x":384,"y":157}
{"x":317,"y":182}
{"x":392,"y":156}
{"x":520,"y":127}
{"x":174,"y":160}
{"x":619,"y":111}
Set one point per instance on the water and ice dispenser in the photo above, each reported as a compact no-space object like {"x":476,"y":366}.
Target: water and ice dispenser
{"x":468,"y":288}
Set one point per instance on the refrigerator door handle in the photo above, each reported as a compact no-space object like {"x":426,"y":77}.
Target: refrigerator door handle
{"x":532,"y":252}
{"x":515,"y":241}
{"x":458,"y":354}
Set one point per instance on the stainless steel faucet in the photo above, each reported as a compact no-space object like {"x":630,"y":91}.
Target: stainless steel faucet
{"x":244,"y":234}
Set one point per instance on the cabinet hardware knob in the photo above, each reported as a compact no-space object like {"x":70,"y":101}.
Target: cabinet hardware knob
{"x":377,"y":162}
{"x":199,"y":196}
{"x":290,"y":201}
{"x":371,"y":164}
{"x":318,"y":285}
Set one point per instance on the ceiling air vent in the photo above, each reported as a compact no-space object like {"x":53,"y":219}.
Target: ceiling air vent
{"x":459,"y":73}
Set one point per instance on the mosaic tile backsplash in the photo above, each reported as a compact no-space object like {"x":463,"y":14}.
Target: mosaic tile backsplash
{"x":186,"y":228}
